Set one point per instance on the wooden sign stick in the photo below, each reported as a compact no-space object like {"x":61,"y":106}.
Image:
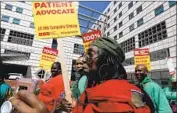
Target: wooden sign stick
{"x":64,"y":70}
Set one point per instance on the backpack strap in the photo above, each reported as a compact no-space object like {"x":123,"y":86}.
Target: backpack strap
{"x":86,"y":100}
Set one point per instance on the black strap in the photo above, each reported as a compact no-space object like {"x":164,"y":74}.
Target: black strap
{"x":147,"y":99}
{"x":86,"y":100}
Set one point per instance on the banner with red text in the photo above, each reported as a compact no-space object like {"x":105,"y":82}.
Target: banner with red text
{"x":142,"y":56}
{"x":48,"y":56}
{"x":89,"y":37}
{"x":55,"y":19}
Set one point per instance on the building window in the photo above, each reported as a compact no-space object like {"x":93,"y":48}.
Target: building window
{"x":115,"y":37}
{"x":120,"y":5}
{"x":115,"y":28}
{"x":54,"y":44}
{"x":140,"y":22}
{"x":8,"y":7}
{"x":78,"y":49}
{"x":120,"y":34}
{"x":128,"y":45}
{"x":21,"y":38}
{"x":99,"y":26}
{"x":131,"y":27}
{"x":5,"y":18}
{"x":108,"y":25}
{"x":104,"y":29}
{"x":108,"y":10}
{"x":131,"y":16}
{"x":172,"y":3}
{"x":120,"y":14}
{"x":139,"y":9}
{"x":108,"y":17}
{"x":115,"y":10}
{"x":2,"y":33}
{"x":31,"y":25}
{"x":120,"y":24}
{"x":115,"y":19}
{"x":159,"y":10}
{"x":19,"y":10}
{"x":130,"y":4}
{"x":27,"y":55}
{"x":115,"y":2}
{"x":153,"y":34}
{"x":129,"y":61}
{"x":108,"y":33}
{"x":159,"y":54}
{"x":16,"y":21}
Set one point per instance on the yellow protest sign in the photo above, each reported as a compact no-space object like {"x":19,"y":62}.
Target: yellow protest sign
{"x":142,"y":56}
{"x":89,"y":37}
{"x":55,"y":19}
{"x":48,"y":57}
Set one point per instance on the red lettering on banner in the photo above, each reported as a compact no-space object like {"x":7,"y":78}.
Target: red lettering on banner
{"x":44,"y":34}
{"x":59,"y":11}
{"x":52,"y":4}
{"x":50,"y":51}
{"x":91,"y":36}
{"x":141,"y":52}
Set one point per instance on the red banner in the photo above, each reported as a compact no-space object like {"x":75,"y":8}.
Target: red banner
{"x":91,"y":36}
{"x":48,"y":56}
{"x":141,"y":51}
{"x":50,"y":51}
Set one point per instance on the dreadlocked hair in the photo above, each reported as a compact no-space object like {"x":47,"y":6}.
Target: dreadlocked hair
{"x":109,"y":67}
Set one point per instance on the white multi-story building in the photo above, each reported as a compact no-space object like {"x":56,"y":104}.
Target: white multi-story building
{"x":17,"y":37}
{"x":143,"y":24}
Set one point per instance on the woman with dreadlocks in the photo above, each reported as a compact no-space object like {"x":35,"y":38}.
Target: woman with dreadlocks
{"x":109,"y":92}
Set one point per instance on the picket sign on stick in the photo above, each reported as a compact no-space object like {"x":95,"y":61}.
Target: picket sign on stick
{"x":64,"y":70}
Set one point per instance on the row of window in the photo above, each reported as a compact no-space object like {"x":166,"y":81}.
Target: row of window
{"x":78,"y":49}
{"x":9,"y":7}
{"x":139,"y":9}
{"x":21,"y":38}
{"x":2,"y":31}
{"x":154,"y":56}
{"x":128,"y":45}
{"x":153,"y":34}
{"x":140,"y":22}
{"x":14,"y":21}
{"x":159,"y":54}
{"x":131,"y":28}
{"x":27,"y":55}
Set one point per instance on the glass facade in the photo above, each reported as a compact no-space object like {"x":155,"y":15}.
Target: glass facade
{"x":78,"y":49}
{"x":153,"y":34}
{"x":2,"y":30}
{"x":16,"y":21}
{"x":19,"y":10}
{"x":5,"y":18}
{"x":159,"y":10}
{"x":21,"y":38}
{"x":8,"y":7}
{"x":128,"y":45}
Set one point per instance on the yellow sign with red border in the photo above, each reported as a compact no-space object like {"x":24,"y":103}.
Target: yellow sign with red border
{"x":89,"y":37}
{"x":55,"y":19}
{"x":142,"y":56}
{"x":48,"y":57}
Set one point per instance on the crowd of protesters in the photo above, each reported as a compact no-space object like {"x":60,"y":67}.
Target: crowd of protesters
{"x":99,"y":85}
